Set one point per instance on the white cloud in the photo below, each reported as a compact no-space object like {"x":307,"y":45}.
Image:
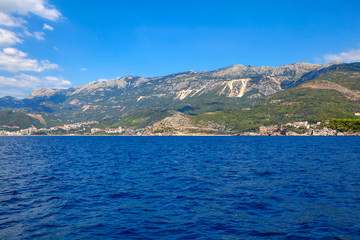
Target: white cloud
{"x":20,"y":81}
{"x":13,"y":60}
{"x":12,"y":92}
{"x":36,"y":7}
{"x":25,"y":81}
{"x":14,"y":52}
{"x":56,"y":82}
{"x":8,"y":38}
{"x":102,"y":80}
{"x":46,"y":64}
{"x":352,"y":55}
{"x":47,"y":27}
{"x":36,"y":35}
{"x":9,"y":21}
{"x":39,"y":35}
{"x":83,"y":69}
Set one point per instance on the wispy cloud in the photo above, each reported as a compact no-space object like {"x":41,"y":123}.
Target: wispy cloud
{"x":25,"y":81}
{"x":56,"y":82}
{"x":83,"y":69}
{"x":37,"y":35}
{"x":12,"y":92}
{"x":353,"y":55}
{"x":14,"y":60}
{"x":47,"y":27}
{"x":102,"y":80}
{"x":21,"y":81}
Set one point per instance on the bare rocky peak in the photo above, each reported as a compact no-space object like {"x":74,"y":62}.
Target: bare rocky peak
{"x":290,"y":72}
{"x":332,"y":63}
{"x":119,"y":83}
{"x":44,"y":92}
{"x":312,"y":74}
{"x":88,"y":87}
{"x":192,"y":79}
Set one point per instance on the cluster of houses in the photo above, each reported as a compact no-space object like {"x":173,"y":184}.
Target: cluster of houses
{"x":272,"y":129}
{"x":119,"y":130}
{"x":35,"y":131}
{"x":68,"y":129}
{"x":85,"y":128}
{"x":108,"y":130}
{"x":74,"y":126}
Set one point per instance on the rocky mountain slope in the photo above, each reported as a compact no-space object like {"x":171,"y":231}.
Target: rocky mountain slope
{"x":334,"y":94}
{"x":138,"y":101}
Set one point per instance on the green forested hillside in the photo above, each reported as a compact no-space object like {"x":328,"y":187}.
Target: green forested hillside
{"x":14,"y":118}
{"x":241,"y":98}
{"x":298,"y":104}
{"x":344,"y":125}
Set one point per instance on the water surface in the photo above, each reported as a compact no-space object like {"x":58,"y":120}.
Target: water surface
{"x":179,"y":188}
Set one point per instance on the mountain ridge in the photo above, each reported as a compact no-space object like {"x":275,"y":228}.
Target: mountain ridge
{"x":128,"y":79}
{"x":133,"y":99}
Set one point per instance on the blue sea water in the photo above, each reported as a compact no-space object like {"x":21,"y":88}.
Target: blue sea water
{"x":179,"y":188}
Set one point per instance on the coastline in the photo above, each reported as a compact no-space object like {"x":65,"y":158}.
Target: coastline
{"x":188,"y":135}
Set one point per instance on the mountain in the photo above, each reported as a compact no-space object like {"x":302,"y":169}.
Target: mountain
{"x":332,"y":94}
{"x":140,"y":102}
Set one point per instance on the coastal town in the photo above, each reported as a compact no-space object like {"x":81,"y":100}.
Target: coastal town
{"x":89,"y":128}
{"x":82,"y":128}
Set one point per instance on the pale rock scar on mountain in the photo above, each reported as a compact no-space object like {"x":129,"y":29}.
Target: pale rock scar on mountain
{"x":90,"y":107}
{"x":234,"y":91}
{"x":183,"y":94}
{"x":154,"y":95}
{"x":277,"y":82}
{"x":75,"y":102}
{"x":142,"y":97}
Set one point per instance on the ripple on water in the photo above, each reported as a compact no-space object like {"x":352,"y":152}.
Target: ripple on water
{"x":179,"y":188}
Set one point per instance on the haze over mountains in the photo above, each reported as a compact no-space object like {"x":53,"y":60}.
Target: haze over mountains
{"x":237,"y":97}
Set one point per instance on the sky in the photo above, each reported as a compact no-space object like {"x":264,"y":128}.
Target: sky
{"x":67,"y":43}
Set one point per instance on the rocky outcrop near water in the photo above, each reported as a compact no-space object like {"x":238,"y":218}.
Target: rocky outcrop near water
{"x":329,"y":132}
{"x":180,"y":124}
{"x":323,"y":132}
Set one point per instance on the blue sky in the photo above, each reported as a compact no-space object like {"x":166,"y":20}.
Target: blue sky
{"x":63,"y":43}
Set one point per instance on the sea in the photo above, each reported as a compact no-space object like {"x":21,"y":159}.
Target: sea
{"x":210,"y":187}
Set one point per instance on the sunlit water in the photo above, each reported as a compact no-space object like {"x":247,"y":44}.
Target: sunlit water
{"x":179,"y":188}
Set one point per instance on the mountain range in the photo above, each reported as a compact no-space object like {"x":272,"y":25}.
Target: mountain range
{"x":236,"y":98}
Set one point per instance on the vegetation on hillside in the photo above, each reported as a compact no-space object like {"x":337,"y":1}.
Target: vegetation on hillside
{"x":15,"y":118}
{"x":346,"y":78}
{"x":136,"y":119}
{"x":344,"y":125}
{"x":297,"y":104}
{"x":312,"y":101}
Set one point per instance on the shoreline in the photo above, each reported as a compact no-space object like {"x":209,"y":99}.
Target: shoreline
{"x":197,"y":135}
